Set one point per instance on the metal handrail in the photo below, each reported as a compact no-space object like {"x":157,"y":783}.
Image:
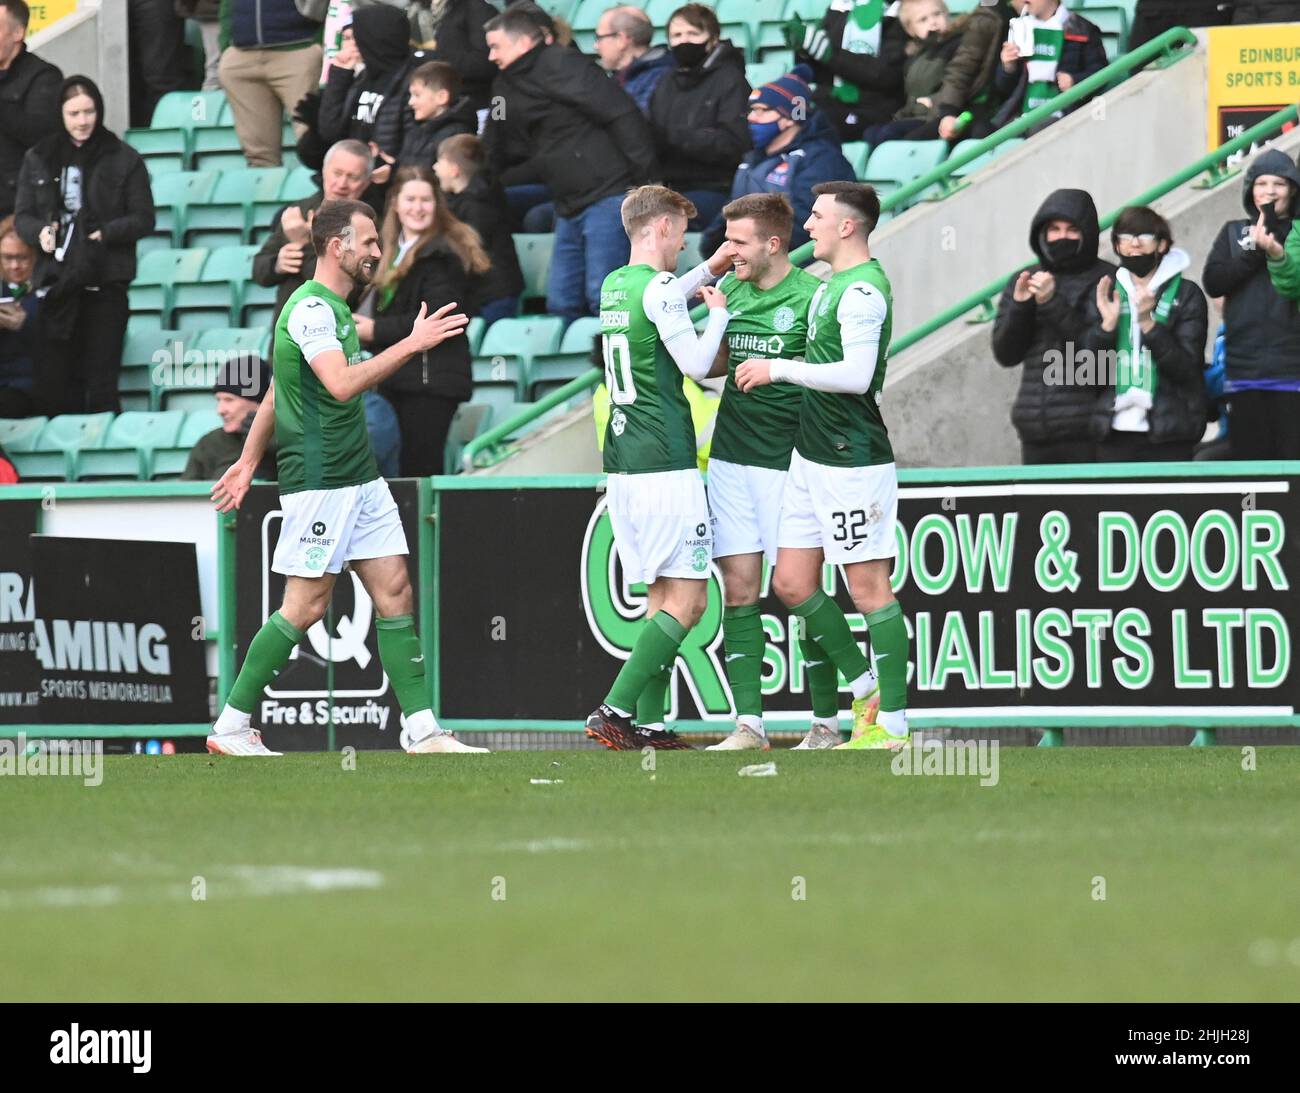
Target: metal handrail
{"x":1163,"y":45}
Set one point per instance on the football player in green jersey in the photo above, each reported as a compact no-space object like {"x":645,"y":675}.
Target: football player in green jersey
{"x":841,"y":495}
{"x":337,"y":509}
{"x":654,"y":491}
{"x":767,"y":299}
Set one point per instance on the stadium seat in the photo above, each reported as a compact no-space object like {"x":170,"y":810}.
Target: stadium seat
{"x":975,"y":164}
{"x":299,"y":184}
{"x":740,"y":37}
{"x":659,"y":11}
{"x":554,"y":370}
{"x":474,"y":334}
{"x":216,"y":149}
{"x":216,"y":298}
{"x":21,"y":434}
{"x":857,"y":152}
{"x":190,"y":386}
{"x":169,"y":462}
{"x":127,"y":451}
{"x":535,"y":260}
{"x":690,"y":256}
{"x":471,"y":419}
{"x":587,"y":14}
{"x":191,"y":110}
{"x":53,"y":455}
{"x":241,"y":199}
{"x":498,"y":372}
{"x":810,"y":11}
{"x":173,"y":194}
{"x":163,"y":150}
{"x":523,"y":337}
{"x":151,"y":291}
{"x":577,"y":338}
{"x":897,"y":162}
{"x":497,"y":397}
{"x":240,"y":339}
{"x":761,"y":72}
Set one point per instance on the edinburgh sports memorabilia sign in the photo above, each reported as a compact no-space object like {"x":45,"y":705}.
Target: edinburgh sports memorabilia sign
{"x":118,"y":635}
{"x":1164,"y":597}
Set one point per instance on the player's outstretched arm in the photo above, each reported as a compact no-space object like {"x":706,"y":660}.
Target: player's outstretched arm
{"x":230,"y":488}
{"x":665,"y":304}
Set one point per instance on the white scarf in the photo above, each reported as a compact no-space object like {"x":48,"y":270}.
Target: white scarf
{"x":1134,"y":405}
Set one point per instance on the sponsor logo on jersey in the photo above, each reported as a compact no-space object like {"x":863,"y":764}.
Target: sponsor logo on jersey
{"x":783,"y":320}
{"x":755,"y":344}
{"x":672,"y":307}
{"x":618,"y":422}
{"x":344,"y":329}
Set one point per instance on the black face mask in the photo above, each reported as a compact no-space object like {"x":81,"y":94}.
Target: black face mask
{"x":1061,"y":251}
{"x":1140,"y":264}
{"x":690,"y":54}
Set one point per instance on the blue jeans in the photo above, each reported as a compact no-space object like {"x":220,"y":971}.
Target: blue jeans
{"x":503,"y":307}
{"x":385,"y":437}
{"x":708,"y":204}
{"x":588,"y":247}
{"x":524,"y":197}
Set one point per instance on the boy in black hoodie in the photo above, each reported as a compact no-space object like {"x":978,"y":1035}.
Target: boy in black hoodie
{"x":436,"y":111}
{"x":481,"y":203}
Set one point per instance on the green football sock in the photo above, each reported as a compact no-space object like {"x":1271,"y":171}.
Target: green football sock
{"x":268,"y":652}
{"x":743,"y":639}
{"x":826,"y":625}
{"x":653,"y":700}
{"x":890,"y":643}
{"x":654,"y":652}
{"x":403,"y":661}
{"x":823,"y":679}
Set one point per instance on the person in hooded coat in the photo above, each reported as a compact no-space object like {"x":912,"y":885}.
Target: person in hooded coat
{"x":1150,"y":321}
{"x":83,"y":200}
{"x":1041,"y":318}
{"x":1261,"y":326}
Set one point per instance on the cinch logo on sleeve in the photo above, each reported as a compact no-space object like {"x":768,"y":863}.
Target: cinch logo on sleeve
{"x":123,"y":1046}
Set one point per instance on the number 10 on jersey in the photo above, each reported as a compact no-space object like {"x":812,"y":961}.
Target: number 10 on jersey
{"x":618,"y":369}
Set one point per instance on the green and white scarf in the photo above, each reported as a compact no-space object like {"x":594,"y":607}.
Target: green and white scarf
{"x":1136,"y":372}
{"x":861,"y":35}
{"x":1048,"y":36}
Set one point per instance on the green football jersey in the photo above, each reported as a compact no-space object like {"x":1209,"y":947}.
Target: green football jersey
{"x":649,"y":426}
{"x":322,"y":443}
{"x":757,"y":429}
{"x":847,"y":430}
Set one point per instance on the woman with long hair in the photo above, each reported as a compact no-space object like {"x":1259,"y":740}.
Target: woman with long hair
{"x":433,"y":258}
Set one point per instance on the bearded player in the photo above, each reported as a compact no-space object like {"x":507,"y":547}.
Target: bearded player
{"x":841,"y":496}
{"x":337,"y":509}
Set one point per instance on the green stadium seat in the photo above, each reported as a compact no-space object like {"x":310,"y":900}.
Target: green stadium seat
{"x":190,"y":386}
{"x":523,"y":337}
{"x":53,"y":455}
{"x":975,"y":164}
{"x":135,"y":401}
{"x":151,"y":291}
{"x":761,"y":72}
{"x":20,"y":434}
{"x":216,"y":148}
{"x":499,"y":398}
{"x":690,"y":256}
{"x":534,"y":253}
{"x":241,"y":339}
{"x":216,"y":298}
{"x":857,"y":152}
{"x":587,"y":14}
{"x":151,"y":243}
{"x":128,"y":447}
{"x":659,"y":11}
{"x":578,"y":337}
{"x":161,"y":148}
{"x":157,"y":166}
{"x":585,"y":40}
{"x":740,"y":37}
{"x":554,"y":370}
{"x":298,"y":185}
{"x":240,"y":199}
{"x":474,"y":334}
{"x":170,"y":462}
{"x":173,"y":194}
{"x":810,"y":11}
{"x":897,"y":162}
{"x":502,"y":372}
{"x":191,"y":110}
{"x":471,"y":419}
{"x":752,"y":11}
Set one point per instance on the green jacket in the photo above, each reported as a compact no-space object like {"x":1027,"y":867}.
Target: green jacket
{"x":1285,"y":271}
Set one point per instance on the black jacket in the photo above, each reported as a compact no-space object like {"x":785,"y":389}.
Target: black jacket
{"x":878,"y":77}
{"x":368,"y":106}
{"x":698,"y":118}
{"x":285,"y":284}
{"x":420,"y":139}
{"x":482,"y":205}
{"x":1261,"y":328}
{"x":435,"y":278}
{"x":461,"y":43}
{"x":117,"y":199}
{"x":1178,"y":352}
{"x":29,"y":110}
{"x":586,"y":138}
{"x":1026,"y":334}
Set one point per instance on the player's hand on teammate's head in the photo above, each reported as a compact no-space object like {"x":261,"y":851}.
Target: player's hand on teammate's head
{"x":712,"y":297}
{"x":231,"y":487}
{"x":720,"y":260}
{"x":430,"y":330}
{"x":752,"y":373}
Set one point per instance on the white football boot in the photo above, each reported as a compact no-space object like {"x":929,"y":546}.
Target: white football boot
{"x":743,"y":739}
{"x":242,"y":742}
{"x":438,"y":742}
{"x":819,"y":738}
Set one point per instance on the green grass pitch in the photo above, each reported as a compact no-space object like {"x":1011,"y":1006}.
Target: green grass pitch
{"x":379,"y":883}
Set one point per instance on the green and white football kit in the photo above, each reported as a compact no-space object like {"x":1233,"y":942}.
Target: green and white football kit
{"x":336,"y":506}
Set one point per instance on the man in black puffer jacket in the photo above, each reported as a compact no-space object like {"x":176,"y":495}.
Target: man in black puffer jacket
{"x":588,"y":143}
{"x":29,"y":98}
{"x":1041,"y":322}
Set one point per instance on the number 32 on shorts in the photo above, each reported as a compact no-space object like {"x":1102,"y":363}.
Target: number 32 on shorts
{"x":850,"y":525}
{"x":618,"y":369}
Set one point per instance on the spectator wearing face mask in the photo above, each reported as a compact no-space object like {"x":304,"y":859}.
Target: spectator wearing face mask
{"x":1042,"y":317}
{"x":698,"y":113}
{"x":1154,"y":320}
{"x":1261,"y":338}
{"x":794,"y":147}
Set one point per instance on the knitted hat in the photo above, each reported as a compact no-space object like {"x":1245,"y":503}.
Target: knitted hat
{"x":244,"y":375}
{"x":785,"y":93}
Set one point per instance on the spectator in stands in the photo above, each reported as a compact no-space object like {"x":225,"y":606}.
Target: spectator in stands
{"x":207,"y":13}
{"x":158,"y":60}
{"x":588,"y":144}
{"x":623,"y":45}
{"x":84,"y":199}
{"x":430,"y":258}
{"x":1151,"y":18}
{"x":1261,"y":344}
{"x":477,"y":200}
{"x":365,"y":96}
{"x":18,"y":318}
{"x":1066,"y":49}
{"x":29,"y":98}
{"x":459,"y":40}
{"x":698,"y":113}
{"x":1152,"y":406}
{"x":438,"y":111}
{"x":239,"y":392}
{"x":287,"y":259}
{"x":794,"y":147}
{"x":932,"y":42}
{"x":856,"y":56}
{"x":270,"y":59}
{"x":1042,"y":317}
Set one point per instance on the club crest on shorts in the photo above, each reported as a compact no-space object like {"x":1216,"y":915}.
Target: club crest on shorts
{"x":700,"y":559}
{"x":618,"y":422}
{"x":783,"y":320}
{"x":315,"y":558}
